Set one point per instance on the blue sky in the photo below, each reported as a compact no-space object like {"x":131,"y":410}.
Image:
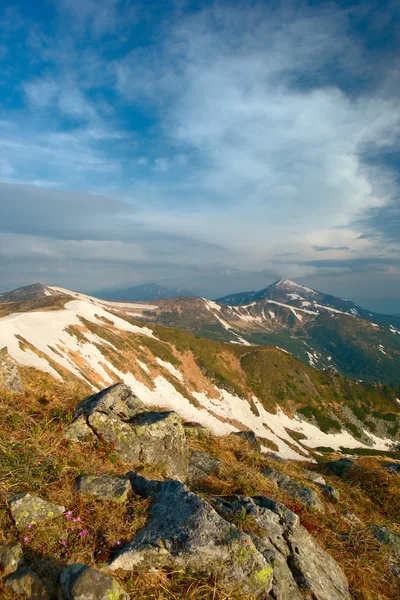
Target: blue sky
{"x":213,"y":146}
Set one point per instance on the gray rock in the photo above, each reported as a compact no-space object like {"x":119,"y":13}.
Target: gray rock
{"x":196,"y":431}
{"x":314,"y":477}
{"x":301,"y":567}
{"x":27,"y":583}
{"x":275,"y":457}
{"x":106,"y":487}
{"x":81,"y":582}
{"x":10,"y":378}
{"x":10,"y":558}
{"x":340,"y":467}
{"x":79,"y":430}
{"x":350,"y":517}
{"x":201,"y":466}
{"x":27,"y":509}
{"x":249,"y":437}
{"x":392,"y":467}
{"x":329,"y":492}
{"x":139,"y":436}
{"x":117,"y":400}
{"x":185,"y":532}
{"x":387,"y":537}
{"x":302,"y":493}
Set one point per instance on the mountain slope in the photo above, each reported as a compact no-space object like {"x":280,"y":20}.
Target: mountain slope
{"x":223,"y":386}
{"x":149,"y":291}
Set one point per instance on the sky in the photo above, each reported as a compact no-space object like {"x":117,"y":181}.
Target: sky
{"x":210,"y":146}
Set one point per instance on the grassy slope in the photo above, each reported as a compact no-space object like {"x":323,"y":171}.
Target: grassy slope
{"x":34,"y":457}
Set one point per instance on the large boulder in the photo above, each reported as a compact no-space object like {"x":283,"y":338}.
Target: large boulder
{"x":301,"y":568}
{"x":81,"y":582}
{"x":341,"y":467}
{"x":201,"y":466}
{"x":301,"y":493}
{"x":28,"y":509}
{"x":10,"y":378}
{"x":10,"y":558}
{"x":185,"y":532}
{"x":28,"y":584}
{"x":139,"y":436}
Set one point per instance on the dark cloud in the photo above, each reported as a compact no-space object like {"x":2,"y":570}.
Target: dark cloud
{"x":326,"y":248}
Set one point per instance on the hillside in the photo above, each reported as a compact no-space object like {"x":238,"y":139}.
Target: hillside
{"x":226,"y":387}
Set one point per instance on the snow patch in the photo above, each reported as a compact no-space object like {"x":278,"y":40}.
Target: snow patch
{"x":170,"y":368}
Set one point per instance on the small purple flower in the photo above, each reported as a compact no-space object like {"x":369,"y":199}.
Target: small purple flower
{"x":83,"y":533}
{"x":30,"y":526}
{"x":119,"y":543}
{"x":63,"y":543}
{"x":26,"y":539}
{"x":68,"y":515}
{"x":76,"y":520}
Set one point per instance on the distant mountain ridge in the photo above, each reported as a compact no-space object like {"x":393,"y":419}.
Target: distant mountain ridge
{"x":145,"y":292}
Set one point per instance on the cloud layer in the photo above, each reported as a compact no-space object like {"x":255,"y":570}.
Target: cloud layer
{"x":213,"y":147}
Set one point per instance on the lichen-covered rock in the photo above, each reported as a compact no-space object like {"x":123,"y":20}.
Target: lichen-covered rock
{"x":249,"y":437}
{"x":10,"y":378}
{"x":201,"y":466}
{"x":387,"y":537}
{"x":27,"y":509}
{"x":139,"y":436}
{"x":350,"y":517}
{"x":185,"y":532}
{"x":340,"y":467}
{"x":81,"y":582}
{"x":302,"y":493}
{"x":79,"y":430}
{"x":28,"y":584}
{"x":117,"y":400}
{"x":106,"y":487}
{"x":330,"y":492}
{"x":10,"y":558}
{"x":314,"y":477}
{"x":301,"y":568}
{"x":197,"y":431}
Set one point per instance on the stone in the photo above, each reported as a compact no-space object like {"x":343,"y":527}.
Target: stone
{"x":10,"y":558}
{"x":301,"y":493}
{"x":196,"y":431}
{"x":387,"y":537}
{"x":27,"y":583}
{"x":392,"y":467}
{"x":79,"y":430}
{"x":81,"y":582}
{"x":106,"y":487}
{"x":27,"y":509}
{"x":184,"y":532}
{"x":10,"y":378}
{"x":201,"y":466}
{"x":350,"y":517}
{"x":329,"y":492}
{"x":314,"y":477}
{"x":249,"y":437}
{"x":117,"y":400}
{"x":118,"y":417}
{"x":301,"y":568}
{"x":340,"y":467}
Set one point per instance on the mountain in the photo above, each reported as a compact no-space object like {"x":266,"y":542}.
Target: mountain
{"x":293,"y":407}
{"x":36,"y":290}
{"x":149,"y":291}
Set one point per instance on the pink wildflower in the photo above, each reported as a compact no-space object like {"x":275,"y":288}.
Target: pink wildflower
{"x":76,"y":520}
{"x":26,"y":539}
{"x":119,"y":543}
{"x":68,"y":515}
{"x":63,"y":543}
{"x":83,"y":532}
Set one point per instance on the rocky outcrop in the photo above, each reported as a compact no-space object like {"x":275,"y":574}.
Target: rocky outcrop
{"x":28,"y":584}
{"x":301,"y":493}
{"x":139,"y":436}
{"x":387,"y":537}
{"x":10,"y":378}
{"x":341,"y":467}
{"x":27,"y":509}
{"x":105,"y":487}
{"x":185,"y":532}
{"x":301,"y":568}
{"x":81,"y":582}
{"x":249,"y":437}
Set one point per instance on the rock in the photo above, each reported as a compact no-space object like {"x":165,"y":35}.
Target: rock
{"x":197,"y":431}
{"x":301,"y":568}
{"x":330,"y":492}
{"x":387,"y":537}
{"x":314,"y":477}
{"x":81,"y":582}
{"x":302,"y":493}
{"x":79,"y":430}
{"x":392,"y":467}
{"x":10,"y":558}
{"x":107,"y":487}
{"x":201,"y":466}
{"x":250,"y":437}
{"x":275,"y":457}
{"x":10,"y":378}
{"x":340,"y":467}
{"x":139,"y":436}
{"x":117,"y":400}
{"x":27,"y":583}
{"x":350,"y":517}
{"x":27,"y":509}
{"x":184,"y":532}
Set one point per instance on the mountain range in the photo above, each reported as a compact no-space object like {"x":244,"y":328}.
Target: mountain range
{"x":142,"y":293}
{"x":227,"y":383}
